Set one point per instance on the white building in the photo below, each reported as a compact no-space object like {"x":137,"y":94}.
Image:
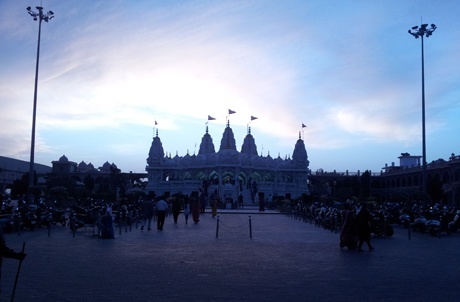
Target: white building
{"x":228,"y":173}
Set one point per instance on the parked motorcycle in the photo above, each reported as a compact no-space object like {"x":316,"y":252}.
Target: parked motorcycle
{"x":438,"y":223}
{"x":455,"y":223}
{"x":419,"y":224}
{"x":28,"y":215}
{"x":404,"y":220}
{"x":83,"y":217}
{"x":380,"y":225}
{"x":8,"y":222}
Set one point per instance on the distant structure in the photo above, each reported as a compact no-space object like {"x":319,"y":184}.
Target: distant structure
{"x":12,"y":169}
{"x":405,"y":161}
{"x":408,"y":176}
{"x":65,"y":166}
{"x":228,"y":173}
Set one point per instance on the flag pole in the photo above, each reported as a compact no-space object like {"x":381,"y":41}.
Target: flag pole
{"x":303,"y":134}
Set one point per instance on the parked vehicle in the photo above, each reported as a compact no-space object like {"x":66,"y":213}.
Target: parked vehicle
{"x":404,"y":220}
{"x":455,"y":223}
{"x":28,"y":215}
{"x":380,"y":225}
{"x":83,"y":217}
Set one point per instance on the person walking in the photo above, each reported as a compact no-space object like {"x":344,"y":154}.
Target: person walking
{"x":203,"y":203}
{"x":106,"y":226}
{"x":240,"y":201}
{"x":196,"y":208}
{"x":161,"y":206}
{"x":348,"y":236}
{"x":186,"y":210}
{"x":363,"y":227}
{"x":175,"y":208}
{"x":6,"y":252}
{"x":215,"y":203}
{"x":261,"y":203}
{"x":148,"y":209}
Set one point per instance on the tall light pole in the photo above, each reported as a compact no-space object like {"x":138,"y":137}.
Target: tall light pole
{"x":40,"y":16}
{"x":420,"y":32}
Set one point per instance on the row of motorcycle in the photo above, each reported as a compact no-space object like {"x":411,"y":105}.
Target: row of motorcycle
{"x":434,"y":220}
{"x":20,"y":216}
{"x":330,"y":217}
{"x":26,"y":216}
{"x":82,"y":216}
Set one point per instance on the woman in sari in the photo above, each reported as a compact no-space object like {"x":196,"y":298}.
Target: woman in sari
{"x":196,"y":209}
{"x":348,"y":235}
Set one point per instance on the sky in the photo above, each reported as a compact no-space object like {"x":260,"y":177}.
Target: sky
{"x":348,"y":70}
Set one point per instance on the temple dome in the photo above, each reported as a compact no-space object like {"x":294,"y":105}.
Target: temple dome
{"x":156,"y":153}
{"x":249,"y":146}
{"x":299,"y":156}
{"x":228,"y":140}
{"x":206,"y":146}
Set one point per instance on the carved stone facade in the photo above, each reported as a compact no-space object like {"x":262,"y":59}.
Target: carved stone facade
{"x":228,"y":172}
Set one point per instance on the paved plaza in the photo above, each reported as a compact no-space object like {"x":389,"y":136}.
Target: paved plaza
{"x":285,"y":260}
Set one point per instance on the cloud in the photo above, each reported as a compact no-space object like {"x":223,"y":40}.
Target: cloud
{"x":350,"y":72}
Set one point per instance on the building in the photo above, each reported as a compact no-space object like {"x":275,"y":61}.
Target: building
{"x":12,"y":169}
{"x":228,"y":172}
{"x":65,"y":166}
{"x":400,"y":182}
{"x":407,"y":177}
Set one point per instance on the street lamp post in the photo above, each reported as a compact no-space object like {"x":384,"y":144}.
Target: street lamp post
{"x":40,"y":16}
{"x":420,"y":32}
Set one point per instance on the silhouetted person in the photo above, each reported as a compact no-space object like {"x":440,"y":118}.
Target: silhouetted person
{"x":6,"y":252}
{"x":240,"y":201}
{"x":196,"y":208}
{"x":186,"y":210}
{"x":175,"y":208}
{"x":261,"y":204}
{"x":161,"y":206}
{"x":348,"y":236}
{"x":363,"y":227}
{"x":148,"y":210}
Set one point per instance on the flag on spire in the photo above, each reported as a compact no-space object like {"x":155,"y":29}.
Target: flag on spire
{"x":253,"y":118}
{"x":303,"y":125}
{"x":231,"y":111}
{"x":210,"y":118}
{"x":156,"y":123}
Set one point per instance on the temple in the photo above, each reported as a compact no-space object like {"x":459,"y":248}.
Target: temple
{"x":228,"y":173}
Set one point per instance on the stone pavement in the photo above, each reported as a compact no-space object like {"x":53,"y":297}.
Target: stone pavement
{"x":285,"y":260}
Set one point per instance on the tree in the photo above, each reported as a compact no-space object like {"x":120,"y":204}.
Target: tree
{"x":20,"y":186}
{"x":434,"y":188}
{"x":89,"y":183}
{"x":365,"y":185}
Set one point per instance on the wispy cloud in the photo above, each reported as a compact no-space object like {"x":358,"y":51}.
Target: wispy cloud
{"x":348,"y":70}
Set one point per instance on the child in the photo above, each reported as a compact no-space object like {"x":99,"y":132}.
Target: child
{"x":186,"y":211}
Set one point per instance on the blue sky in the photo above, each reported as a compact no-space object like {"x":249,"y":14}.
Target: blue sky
{"x":348,"y":70}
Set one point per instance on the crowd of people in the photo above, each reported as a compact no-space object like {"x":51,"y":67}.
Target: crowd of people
{"x":160,"y":207}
